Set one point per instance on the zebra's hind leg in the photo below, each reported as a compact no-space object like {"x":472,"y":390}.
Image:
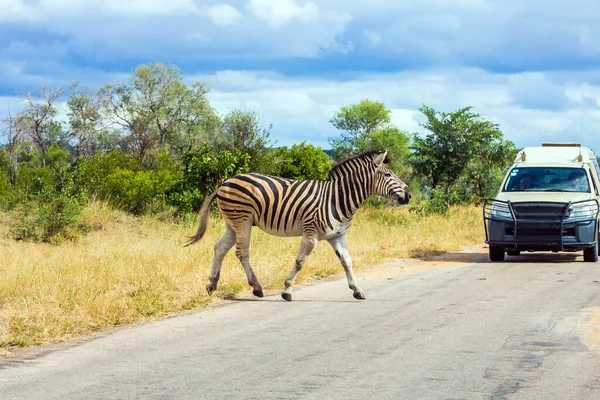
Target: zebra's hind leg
{"x":220,"y":250}
{"x":307,"y":245}
{"x":242,"y":251}
{"x":340,"y":247}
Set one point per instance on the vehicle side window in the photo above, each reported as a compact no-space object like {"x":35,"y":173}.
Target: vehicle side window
{"x":595,"y":162}
{"x":595,"y":184}
{"x":597,"y":168}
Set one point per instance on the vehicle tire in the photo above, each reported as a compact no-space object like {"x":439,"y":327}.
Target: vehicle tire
{"x":496,"y":253}
{"x":513,"y":252}
{"x":591,"y":254}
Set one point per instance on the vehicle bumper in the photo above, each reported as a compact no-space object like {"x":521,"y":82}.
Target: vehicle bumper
{"x":541,"y":226}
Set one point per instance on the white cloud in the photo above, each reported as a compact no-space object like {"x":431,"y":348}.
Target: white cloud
{"x":69,"y":8}
{"x":580,"y":93}
{"x":302,"y":29}
{"x":9,"y":105}
{"x":373,"y":38}
{"x":536,"y":90}
{"x":281,"y":12}
{"x":407,"y":120}
{"x":16,"y":10}
{"x":196,"y":37}
{"x":223,"y":14}
{"x":176,"y":30}
{"x":300,"y":108}
{"x":151,"y":7}
{"x":435,"y":52}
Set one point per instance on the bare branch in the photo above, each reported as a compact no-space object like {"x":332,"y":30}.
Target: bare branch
{"x":37,"y":118}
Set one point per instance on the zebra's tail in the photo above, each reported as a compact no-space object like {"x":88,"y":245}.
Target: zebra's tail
{"x":204,"y":214}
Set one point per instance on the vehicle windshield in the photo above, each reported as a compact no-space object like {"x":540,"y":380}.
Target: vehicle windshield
{"x":545,"y":179}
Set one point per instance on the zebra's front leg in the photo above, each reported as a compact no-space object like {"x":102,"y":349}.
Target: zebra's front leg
{"x":340,"y":247}
{"x":307,"y":245}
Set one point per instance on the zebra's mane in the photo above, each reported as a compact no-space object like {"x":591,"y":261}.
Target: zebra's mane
{"x":368,"y":155}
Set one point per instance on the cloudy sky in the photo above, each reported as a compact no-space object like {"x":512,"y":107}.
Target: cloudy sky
{"x":531,"y":66}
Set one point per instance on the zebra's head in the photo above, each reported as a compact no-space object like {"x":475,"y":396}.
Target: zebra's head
{"x":387,"y":184}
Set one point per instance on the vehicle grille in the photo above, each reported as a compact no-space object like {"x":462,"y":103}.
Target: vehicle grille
{"x":540,"y":212}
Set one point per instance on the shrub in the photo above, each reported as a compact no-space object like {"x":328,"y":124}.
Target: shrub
{"x":203,"y":172}
{"x":138,"y":192}
{"x":91,"y":172}
{"x":119,"y":179}
{"x":439,"y":201}
{"x":301,"y":161}
{"x":5,"y":191}
{"x":50,"y":221}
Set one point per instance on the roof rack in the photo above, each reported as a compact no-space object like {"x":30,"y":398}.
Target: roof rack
{"x":561,"y":144}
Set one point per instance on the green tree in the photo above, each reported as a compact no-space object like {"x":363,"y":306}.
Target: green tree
{"x":14,"y":132}
{"x":37,"y":121}
{"x":301,"y":161}
{"x":462,"y":146}
{"x":396,"y":142}
{"x":242,"y":131}
{"x":357,"y":123}
{"x":87,"y":125}
{"x":484,"y":173}
{"x":367,"y":126}
{"x":5,"y":187}
{"x":156,"y":109}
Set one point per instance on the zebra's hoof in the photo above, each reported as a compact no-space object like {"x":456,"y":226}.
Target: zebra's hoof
{"x":210,"y":289}
{"x":286,"y":296}
{"x":359,"y":296}
{"x":258,"y":293}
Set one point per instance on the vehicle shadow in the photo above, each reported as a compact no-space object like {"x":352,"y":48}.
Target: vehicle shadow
{"x":481,"y":256}
{"x":459,"y":257}
{"x":543,"y":257}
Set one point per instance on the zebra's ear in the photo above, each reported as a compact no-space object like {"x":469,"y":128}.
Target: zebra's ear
{"x":378,"y":160}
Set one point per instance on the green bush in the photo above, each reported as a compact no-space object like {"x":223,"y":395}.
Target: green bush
{"x":6,"y":191}
{"x":47,"y":221}
{"x":119,"y":179}
{"x":203,"y":171}
{"x":4,"y":173}
{"x":302,"y":161}
{"x":186,"y":200}
{"x":34,"y":181}
{"x":91,"y":172}
{"x":439,"y":201}
{"x":43,"y":175}
{"x":138,"y":192}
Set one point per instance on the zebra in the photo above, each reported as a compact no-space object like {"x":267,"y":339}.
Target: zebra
{"x":313,"y":209}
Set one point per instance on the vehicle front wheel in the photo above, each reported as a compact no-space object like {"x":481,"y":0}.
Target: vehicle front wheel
{"x":496,"y":253}
{"x":591,"y":254}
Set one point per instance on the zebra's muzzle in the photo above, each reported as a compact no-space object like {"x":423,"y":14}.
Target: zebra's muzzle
{"x":405,"y":196}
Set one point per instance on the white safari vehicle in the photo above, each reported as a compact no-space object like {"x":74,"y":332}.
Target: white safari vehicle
{"x":548,"y":201}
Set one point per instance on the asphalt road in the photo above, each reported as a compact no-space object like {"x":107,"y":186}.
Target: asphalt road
{"x":464,"y":328}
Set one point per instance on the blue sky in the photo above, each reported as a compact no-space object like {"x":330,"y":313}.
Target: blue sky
{"x":533,"y":67}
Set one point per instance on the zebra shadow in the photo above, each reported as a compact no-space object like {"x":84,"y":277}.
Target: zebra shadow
{"x":274,"y":299}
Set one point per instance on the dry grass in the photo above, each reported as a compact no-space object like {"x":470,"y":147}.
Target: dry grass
{"x":131,"y":270}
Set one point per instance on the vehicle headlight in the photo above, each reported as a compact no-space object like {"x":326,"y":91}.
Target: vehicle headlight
{"x":500,"y":211}
{"x":582,"y":211}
